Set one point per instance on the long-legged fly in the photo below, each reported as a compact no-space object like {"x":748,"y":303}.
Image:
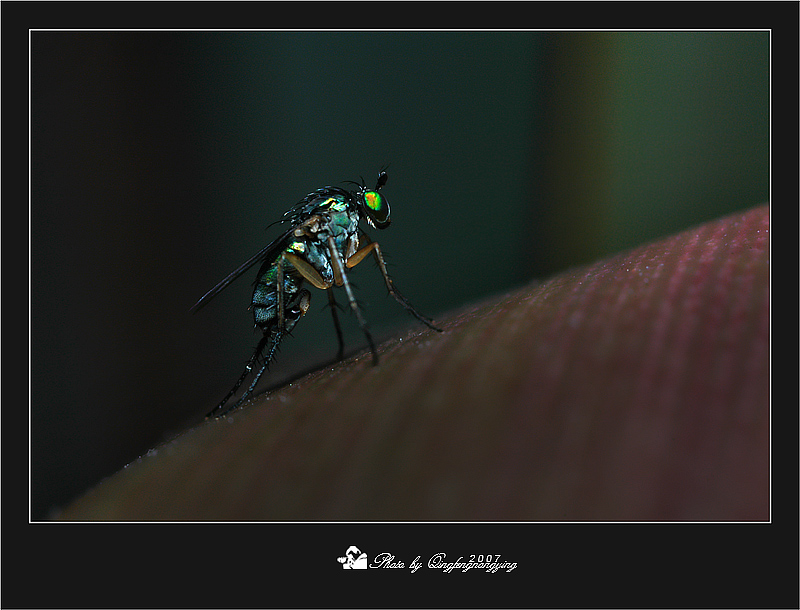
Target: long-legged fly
{"x":322,"y":242}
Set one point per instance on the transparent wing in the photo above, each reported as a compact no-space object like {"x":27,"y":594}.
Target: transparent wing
{"x":266,"y":252}
{"x":296,"y":214}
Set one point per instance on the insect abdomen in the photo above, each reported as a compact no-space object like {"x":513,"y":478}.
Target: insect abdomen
{"x":265,"y":295}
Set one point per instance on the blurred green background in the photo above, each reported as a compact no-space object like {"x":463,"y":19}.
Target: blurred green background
{"x":158,"y":159}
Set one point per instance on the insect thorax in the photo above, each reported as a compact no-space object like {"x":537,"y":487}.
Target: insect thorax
{"x":309,"y":241}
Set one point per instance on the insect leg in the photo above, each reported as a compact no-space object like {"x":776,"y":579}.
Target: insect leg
{"x":309,"y":273}
{"x":276,"y":339}
{"x":341,"y":279}
{"x":306,"y":270}
{"x":376,"y":250}
{"x":217,"y":411}
{"x":272,"y":337}
{"x":335,"y":313}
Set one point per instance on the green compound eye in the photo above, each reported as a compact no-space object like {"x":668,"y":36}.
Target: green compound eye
{"x":377,"y":209}
{"x":374,"y":200}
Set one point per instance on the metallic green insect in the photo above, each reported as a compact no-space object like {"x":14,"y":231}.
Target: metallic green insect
{"x":322,"y":242}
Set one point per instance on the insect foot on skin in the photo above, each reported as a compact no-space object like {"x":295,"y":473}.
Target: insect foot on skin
{"x":321,"y":243}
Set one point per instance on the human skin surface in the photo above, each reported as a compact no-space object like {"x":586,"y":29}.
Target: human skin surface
{"x":633,"y":389}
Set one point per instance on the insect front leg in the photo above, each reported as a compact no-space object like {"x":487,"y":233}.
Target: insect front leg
{"x":340,"y":277}
{"x":373,"y":247}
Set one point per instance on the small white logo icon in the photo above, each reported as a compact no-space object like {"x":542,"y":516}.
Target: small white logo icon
{"x":353,"y":559}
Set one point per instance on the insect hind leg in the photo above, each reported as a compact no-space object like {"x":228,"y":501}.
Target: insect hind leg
{"x":218,"y":410}
{"x":272,"y":338}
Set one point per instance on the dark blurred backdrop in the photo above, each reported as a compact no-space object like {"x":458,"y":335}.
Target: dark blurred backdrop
{"x":159,"y":158}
